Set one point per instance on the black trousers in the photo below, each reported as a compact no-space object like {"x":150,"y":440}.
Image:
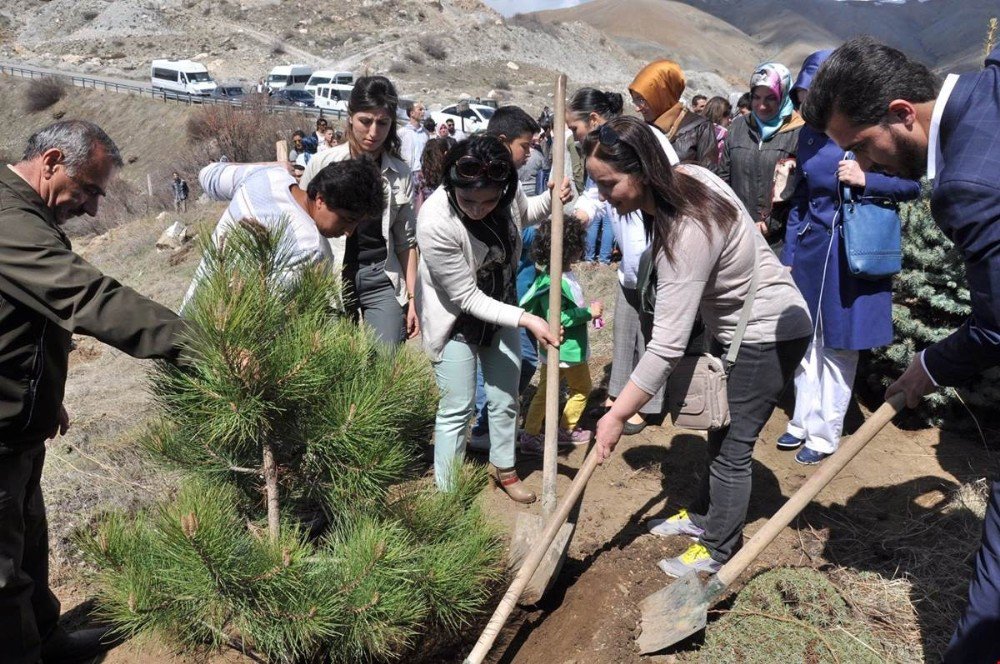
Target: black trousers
{"x":28,"y":609}
{"x":755,"y":383}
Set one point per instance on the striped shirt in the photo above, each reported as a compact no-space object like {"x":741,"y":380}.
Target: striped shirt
{"x":262,"y":193}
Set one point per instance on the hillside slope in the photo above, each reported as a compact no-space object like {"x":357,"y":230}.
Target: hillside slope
{"x":651,"y":29}
{"x":432,"y":49}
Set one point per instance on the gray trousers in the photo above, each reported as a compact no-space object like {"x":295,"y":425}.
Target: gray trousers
{"x":755,"y":383}
{"x":370,"y":296}
{"x":631,"y":329}
{"x":28,"y":609}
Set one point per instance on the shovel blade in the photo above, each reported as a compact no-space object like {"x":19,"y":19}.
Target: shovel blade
{"x":673,"y":613}
{"x":527,"y":535}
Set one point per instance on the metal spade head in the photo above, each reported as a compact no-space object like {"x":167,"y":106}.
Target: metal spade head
{"x":527,"y":534}
{"x":676,"y":612}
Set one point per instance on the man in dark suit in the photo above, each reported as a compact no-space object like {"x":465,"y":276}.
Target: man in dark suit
{"x":896,"y":116}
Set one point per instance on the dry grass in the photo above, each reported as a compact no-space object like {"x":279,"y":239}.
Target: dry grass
{"x":43,"y":93}
{"x":433,"y":47}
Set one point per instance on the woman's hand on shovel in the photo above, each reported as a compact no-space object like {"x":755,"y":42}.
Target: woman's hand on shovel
{"x":565,"y":192}
{"x":609,"y":432}
{"x":539,"y":328}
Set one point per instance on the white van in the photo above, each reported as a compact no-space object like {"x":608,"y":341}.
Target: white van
{"x":185,"y":76}
{"x":288,"y":76}
{"x":329,"y":76}
{"x":332,"y":97}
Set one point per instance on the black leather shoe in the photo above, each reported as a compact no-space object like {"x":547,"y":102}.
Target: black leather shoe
{"x":632,"y":429}
{"x":82,"y":646}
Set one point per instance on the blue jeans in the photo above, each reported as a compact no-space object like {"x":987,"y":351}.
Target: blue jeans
{"x":541,"y":181}
{"x":455,"y":374}
{"x":600,"y":227}
{"x":529,"y":364}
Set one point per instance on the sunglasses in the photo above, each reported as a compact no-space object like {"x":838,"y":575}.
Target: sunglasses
{"x":607,"y":135}
{"x":469,"y":168}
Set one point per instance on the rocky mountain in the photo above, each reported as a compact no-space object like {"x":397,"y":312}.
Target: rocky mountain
{"x":729,"y":37}
{"x":433,"y":49}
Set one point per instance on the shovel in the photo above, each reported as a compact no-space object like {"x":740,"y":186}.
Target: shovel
{"x":681,"y":609}
{"x":532,"y":561}
{"x":529,"y":527}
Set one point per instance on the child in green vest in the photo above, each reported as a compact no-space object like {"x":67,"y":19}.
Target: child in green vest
{"x":574,"y":351}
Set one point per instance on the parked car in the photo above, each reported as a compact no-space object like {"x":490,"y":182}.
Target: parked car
{"x":329,"y":76}
{"x":332,"y":96}
{"x":287,"y":97}
{"x":471,"y":120}
{"x":231,"y":92}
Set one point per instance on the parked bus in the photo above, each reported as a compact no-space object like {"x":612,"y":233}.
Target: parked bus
{"x":323,"y":76}
{"x":287,"y":76}
{"x":184,"y":76}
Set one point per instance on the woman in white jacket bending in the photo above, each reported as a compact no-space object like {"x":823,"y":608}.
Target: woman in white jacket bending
{"x":469,"y":235}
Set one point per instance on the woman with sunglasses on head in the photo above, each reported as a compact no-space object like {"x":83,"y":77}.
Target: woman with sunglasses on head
{"x":470,"y":244}
{"x":706,"y":251}
{"x":590,"y":109}
{"x":380,"y":260}
{"x":756,"y":143}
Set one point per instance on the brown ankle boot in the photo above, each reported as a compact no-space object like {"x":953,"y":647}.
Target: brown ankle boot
{"x":507,"y":480}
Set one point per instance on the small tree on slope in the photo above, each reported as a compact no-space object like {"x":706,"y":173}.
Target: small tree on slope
{"x":293,"y":534}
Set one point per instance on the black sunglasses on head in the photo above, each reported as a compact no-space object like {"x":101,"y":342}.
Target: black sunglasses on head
{"x":469,"y":168}
{"x":607,"y":135}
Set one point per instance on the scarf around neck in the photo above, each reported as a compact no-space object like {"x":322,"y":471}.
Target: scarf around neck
{"x":775,"y":77}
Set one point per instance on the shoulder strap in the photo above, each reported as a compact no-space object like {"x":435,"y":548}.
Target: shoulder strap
{"x":741,"y":327}
{"x":845,"y":189}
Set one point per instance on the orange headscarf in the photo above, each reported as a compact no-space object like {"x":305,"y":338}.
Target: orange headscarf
{"x":661,"y":84}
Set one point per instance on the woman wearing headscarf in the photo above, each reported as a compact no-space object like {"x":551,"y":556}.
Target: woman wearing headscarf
{"x":849,"y":314}
{"x":656,"y":93}
{"x":757,"y":143}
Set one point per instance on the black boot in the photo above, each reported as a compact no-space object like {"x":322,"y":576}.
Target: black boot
{"x":82,"y":646}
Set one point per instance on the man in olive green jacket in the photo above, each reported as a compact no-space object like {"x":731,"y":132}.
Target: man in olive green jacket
{"x":47,"y":293}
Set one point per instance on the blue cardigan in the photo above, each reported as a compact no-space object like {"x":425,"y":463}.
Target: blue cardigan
{"x":966,"y":205}
{"x":856,"y":313}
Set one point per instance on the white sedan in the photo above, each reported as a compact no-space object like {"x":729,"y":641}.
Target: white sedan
{"x":470,"y":121}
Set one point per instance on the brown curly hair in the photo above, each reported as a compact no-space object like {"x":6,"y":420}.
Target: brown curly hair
{"x":574,"y":240}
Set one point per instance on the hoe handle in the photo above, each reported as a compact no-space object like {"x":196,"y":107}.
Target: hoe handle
{"x":826,"y":472}
{"x":530,"y":563}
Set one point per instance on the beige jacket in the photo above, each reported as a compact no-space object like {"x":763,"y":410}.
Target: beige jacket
{"x":449,"y":259}
{"x":398,"y":219}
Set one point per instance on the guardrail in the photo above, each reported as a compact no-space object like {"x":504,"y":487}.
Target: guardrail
{"x":156,"y":94}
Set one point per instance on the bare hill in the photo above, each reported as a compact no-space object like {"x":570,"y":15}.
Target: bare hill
{"x":433,"y":49}
{"x":945,"y":34}
{"x":651,"y":29}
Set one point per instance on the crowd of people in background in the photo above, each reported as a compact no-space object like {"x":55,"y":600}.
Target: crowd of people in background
{"x":723,"y":223}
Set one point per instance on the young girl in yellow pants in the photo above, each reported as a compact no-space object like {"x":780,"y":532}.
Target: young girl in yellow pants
{"x":575,"y":349}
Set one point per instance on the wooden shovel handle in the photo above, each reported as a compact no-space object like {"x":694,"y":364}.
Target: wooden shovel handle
{"x":531,"y":562}
{"x":823,"y":475}
{"x":550,"y":451}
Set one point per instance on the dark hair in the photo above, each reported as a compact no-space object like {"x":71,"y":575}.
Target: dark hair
{"x":675,"y":194}
{"x":695,"y":99}
{"x":591,"y":100}
{"x":861,"y":78}
{"x":485,"y":148}
{"x":512,"y":122}
{"x":717,"y":109}
{"x":354,"y":185}
{"x":298,"y":132}
{"x":743,"y":101}
{"x":574,"y":240}
{"x":372,"y":93}
{"x":429,"y":124}
{"x":321,"y":121}
{"x":432,"y":161}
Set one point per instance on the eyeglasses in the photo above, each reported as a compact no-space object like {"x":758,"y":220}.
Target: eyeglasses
{"x":607,"y":135}
{"x":469,"y":168}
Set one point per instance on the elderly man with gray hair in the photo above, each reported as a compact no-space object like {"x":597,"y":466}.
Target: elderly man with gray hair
{"x":47,"y":293}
